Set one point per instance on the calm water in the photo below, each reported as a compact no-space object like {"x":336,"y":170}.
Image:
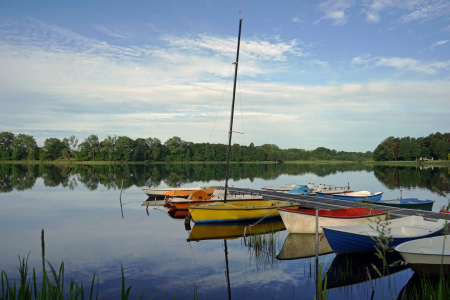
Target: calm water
{"x":79,"y":209}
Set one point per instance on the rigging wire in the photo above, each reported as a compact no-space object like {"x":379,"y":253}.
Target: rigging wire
{"x":220,"y":104}
{"x":242,"y":115}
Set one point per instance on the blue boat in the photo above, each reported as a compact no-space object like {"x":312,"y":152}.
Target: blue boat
{"x":301,"y":189}
{"x":362,"y":237}
{"x":359,"y":196}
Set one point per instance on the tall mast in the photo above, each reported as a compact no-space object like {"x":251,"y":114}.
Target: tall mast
{"x":232,"y":113}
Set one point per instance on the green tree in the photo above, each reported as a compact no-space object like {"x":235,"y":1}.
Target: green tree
{"x":124,"y":146}
{"x":24,"y":146}
{"x":52,"y":149}
{"x":154,"y":148}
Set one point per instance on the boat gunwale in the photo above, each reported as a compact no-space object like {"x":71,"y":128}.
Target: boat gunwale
{"x":430,"y":234}
{"x":296,"y":211}
{"x":421,"y":253}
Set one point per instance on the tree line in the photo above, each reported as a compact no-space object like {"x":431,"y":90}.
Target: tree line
{"x":22,"y":177}
{"x":112,"y":148}
{"x":435,"y":146}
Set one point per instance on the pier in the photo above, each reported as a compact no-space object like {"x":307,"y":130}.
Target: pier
{"x":315,"y":202}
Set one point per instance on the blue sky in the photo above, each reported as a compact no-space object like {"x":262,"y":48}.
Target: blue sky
{"x":339,"y":74}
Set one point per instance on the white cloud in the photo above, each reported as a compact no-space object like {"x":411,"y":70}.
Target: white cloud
{"x":406,"y":64}
{"x":56,"y":81}
{"x":297,"y":20}
{"x":152,"y":27}
{"x":254,"y":47}
{"x":111,"y":31}
{"x":335,"y":11}
{"x":438,"y":44}
{"x":423,"y":10}
{"x":446,"y":28}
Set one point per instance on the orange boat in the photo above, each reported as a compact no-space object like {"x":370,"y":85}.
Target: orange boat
{"x":207,"y":196}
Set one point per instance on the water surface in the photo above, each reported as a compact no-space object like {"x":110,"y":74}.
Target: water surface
{"x":79,"y":209}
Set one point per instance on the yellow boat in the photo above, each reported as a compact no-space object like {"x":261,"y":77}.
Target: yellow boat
{"x":220,"y":232}
{"x":237,"y":211}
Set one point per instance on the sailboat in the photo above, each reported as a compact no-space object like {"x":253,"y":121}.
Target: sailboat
{"x":237,"y":211}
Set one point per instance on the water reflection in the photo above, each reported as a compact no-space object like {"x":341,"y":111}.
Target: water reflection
{"x":226,"y":231}
{"x":23,"y":177}
{"x":350,"y":269}
{"x":298,"y":246}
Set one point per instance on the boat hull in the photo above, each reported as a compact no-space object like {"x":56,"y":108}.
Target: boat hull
{"x":410,"y":203}
{"x":373,"y":197}
{"x":238,"y":211}
{"x":345,"y":242}
{"x":305,"y":223}
{"x":425,"y":256}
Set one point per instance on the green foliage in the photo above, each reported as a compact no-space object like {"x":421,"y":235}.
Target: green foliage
{"x":436,"y":146}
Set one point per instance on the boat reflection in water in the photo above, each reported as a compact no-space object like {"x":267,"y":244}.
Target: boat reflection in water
{"x":350,"y":269}
{"x":298,"y":245}
{"x":178,"y":214}
{"x":233,"y":231}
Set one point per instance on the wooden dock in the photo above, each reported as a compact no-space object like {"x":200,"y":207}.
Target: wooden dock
{"x":315,"y":202}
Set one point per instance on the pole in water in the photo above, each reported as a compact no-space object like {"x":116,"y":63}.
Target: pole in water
{"x":317,"y":253}
{"x":120,"y":198}
{"x":401,"y":196}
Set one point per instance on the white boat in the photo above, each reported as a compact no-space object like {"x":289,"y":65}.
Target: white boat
{"x":284,"y":188}
{"x":309,"y":189}
{"x":159,"y":192}
{"x":362,"y":238}
{"x":425,"y":256}
{"x":304,"y":220}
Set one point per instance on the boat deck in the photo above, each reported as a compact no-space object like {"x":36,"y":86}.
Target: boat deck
{"x":315,"y":202}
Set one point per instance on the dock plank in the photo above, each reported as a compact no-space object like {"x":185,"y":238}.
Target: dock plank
{"x":315,"y":202}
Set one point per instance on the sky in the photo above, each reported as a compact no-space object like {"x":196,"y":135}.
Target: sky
{"x":340,"y":74}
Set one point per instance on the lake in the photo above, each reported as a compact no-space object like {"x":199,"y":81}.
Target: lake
{"x":86,"y":227}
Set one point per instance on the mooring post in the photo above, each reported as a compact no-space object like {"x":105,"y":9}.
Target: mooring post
{"x":120,"y":198}
{"x":401,"y":196}
{"x":317,"y":253}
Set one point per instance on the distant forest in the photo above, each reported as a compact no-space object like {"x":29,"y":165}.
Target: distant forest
{"x":435,"y":146}
{"x":23,"y":147}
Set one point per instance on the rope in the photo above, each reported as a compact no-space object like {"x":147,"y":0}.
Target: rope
{"x":220,"y":104}
{"x":263,"y":217}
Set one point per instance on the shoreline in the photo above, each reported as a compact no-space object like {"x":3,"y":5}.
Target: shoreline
{"x":437,"y":163}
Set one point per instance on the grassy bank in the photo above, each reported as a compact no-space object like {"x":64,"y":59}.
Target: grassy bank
{"x":436,"y":163}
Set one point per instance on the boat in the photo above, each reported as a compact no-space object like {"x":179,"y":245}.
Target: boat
{"x":233,"y":231}
{"x":239,"y":210}
{"x":203,"y":198}
{"x":349,"y":269}
{"x":309,"y":189}
{"x":187,"y":193}
{"x":304,"y":220}
{"x":362,"y":237}
{"x":284,"y":188}
{"x":410,"y":203}
{"x":358,"y":196}
{"x":367,"y":197}
{"x":426,"y":256}
{"x":158,"y":193}
{"x":298,"y":246}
